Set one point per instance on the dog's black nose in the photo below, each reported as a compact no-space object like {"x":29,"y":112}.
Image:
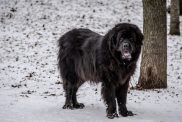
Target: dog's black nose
{"x":125,"y":45}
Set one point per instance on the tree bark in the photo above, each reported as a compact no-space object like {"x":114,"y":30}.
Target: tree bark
{"x":153,"y":70}
{"x":174,"y":18}
{"x":180,"y":6}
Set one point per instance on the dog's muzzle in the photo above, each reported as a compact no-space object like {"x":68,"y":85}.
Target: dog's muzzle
{"x":126,"y":51}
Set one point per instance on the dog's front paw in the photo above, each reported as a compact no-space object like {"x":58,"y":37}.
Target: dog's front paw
{"x":126,"y":113}
{"x":112,"y":115}
{"x":68,"y":106}
{"x":79,"y":105}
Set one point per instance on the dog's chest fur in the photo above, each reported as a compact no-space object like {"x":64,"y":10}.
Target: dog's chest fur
{"x":122,"y":73}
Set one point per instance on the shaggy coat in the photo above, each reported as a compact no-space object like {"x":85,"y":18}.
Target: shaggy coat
{"x":110,"y":59}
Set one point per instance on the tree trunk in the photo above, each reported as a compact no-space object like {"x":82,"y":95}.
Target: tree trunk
{"x":180,"y":6}
{"x":153,"y":70}
{"x":174,"y":19}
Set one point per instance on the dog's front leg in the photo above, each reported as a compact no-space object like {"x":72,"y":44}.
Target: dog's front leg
{"x":121,"y":95}
{"x":108,"y":93}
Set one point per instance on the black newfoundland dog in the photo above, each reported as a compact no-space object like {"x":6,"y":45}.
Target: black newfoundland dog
{"x":111,"y":59}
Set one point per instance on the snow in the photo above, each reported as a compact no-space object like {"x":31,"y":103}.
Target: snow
{"x":30,"y":85}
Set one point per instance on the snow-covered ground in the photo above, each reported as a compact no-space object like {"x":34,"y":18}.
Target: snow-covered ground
{"x":30,"y":86}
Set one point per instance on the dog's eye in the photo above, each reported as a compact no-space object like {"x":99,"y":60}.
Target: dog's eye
{"x":121,"y":40}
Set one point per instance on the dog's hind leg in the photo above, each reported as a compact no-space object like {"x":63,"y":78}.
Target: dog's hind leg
{"x":67,"y":85}
{"x":74,"y":98}
{"x":71,"y":98}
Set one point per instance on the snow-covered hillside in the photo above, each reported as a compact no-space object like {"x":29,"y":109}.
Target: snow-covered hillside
{"x":30,"y":85}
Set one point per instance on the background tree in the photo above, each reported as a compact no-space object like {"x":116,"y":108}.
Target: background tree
{"x":180,"y":5}
{"x":153,"y":70}
{"x":174,"y":18}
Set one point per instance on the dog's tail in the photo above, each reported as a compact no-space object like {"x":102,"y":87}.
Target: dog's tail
{"x":61,"y":51}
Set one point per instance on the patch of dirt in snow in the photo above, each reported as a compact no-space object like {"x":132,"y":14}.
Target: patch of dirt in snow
{"x":30,"y":85}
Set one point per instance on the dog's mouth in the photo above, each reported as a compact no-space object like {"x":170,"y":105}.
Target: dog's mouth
{"x":126,"y":55}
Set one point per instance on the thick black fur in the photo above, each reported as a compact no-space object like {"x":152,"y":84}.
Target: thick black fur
{"x":87,"y":56}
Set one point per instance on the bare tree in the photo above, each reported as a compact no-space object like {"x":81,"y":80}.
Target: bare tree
{"x":153,"y":70}
{"x":174,"y":19}
{"x":180,"y":6}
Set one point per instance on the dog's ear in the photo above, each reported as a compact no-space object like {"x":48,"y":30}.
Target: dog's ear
{"x":111,"y":39}
{"x":139,"y":35}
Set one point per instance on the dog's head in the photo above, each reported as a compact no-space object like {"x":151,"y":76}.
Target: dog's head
{"x":125,"y":40}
